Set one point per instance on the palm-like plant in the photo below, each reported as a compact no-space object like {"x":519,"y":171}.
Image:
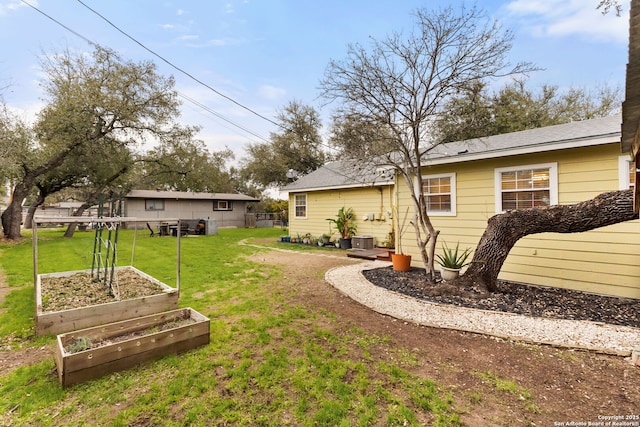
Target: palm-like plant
{"x":345,"y":222}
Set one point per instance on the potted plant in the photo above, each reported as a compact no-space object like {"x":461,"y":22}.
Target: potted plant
{"x":345,"y":224}
{"x":400,"y":260}
{"x":326,"y":239}
{"x":452,"y":261}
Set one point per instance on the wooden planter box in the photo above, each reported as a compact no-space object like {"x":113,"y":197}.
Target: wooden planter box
{"x":56,"y":322}
{"x":74,"y":368}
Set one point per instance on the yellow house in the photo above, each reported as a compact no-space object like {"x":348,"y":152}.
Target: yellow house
{"x":315,"y":197}
{"x":468,"y":182}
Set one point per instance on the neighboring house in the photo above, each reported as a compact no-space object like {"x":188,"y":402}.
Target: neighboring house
{"x":319,"y":195}
{"x":468,"y":182}
{"x":228,"y":210}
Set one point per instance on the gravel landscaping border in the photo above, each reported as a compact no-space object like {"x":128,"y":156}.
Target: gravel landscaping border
{"x":594,"y":336}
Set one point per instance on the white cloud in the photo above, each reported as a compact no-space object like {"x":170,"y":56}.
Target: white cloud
{"x":6,"y":7}
{"x":167,"y":26}
{"x":560,"y":18}
{"x":180,"y":12}
{"x":271,"y":92}
{"x":189,"y":37}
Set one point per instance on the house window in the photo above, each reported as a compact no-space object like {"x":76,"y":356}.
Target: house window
{"x":222,"y":205}
{"x":440,"y":194}
{"x":153,"y":205}
{"x":627,"y":172}
{"x":526,"y":187}
{"x":300,"y":202}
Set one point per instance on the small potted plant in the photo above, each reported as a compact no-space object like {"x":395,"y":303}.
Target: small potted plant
{"x":452,"y":261}
{"x":345,"y":224}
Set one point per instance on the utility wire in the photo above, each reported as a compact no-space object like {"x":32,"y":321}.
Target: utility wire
{"x":220,"y":116}
{"x":204,"y":107}
{"x":180,"y":69}
{"x":60,"y":23}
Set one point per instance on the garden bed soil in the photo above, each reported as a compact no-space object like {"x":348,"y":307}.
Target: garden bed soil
{"x":80,"y":290}
{"x":518,"y":298}
{"x":72,"y":300}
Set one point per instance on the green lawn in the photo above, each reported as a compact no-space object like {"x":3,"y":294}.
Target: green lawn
{"x":269,"y":362}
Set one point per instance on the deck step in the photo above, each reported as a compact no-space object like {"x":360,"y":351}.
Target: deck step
{"x":371,"y":254}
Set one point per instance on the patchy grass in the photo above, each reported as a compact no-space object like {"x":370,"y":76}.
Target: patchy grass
{"x":269,"y":362}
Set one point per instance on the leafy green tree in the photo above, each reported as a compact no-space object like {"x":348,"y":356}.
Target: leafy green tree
{"x":97,"y":99}
{"x":297,"y":146}
{"x":186,"y":165}
{"x":475,"y":113}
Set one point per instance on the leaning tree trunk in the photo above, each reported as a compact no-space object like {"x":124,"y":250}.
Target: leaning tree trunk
{"x":12,"y":216}
{"x":71,"y":228}
{"x":504,"y":230}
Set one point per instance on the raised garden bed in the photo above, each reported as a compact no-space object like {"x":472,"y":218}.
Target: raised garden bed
{"x":75,"y":305}
{"x":90,"y":353}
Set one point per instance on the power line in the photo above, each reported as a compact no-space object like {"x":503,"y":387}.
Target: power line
{"x":178,"y":68}
{"x":60,"y":23}
{"x":220,"y":116}
{"x":202,"y":106}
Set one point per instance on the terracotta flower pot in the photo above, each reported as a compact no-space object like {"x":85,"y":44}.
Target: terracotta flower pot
{"x":401,"y":262}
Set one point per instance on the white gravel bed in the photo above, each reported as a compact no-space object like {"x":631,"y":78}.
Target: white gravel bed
{"x":600,"y":337}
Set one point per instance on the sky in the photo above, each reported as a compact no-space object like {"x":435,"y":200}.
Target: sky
{"x":262,"y":54}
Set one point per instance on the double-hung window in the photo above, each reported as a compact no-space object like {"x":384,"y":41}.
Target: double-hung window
{"x":300,"y":202}
{"x":526,"y":187}
{"x":440,"y":194}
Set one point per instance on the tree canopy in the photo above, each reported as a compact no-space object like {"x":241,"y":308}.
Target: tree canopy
{"x":95,"y":103}
{"x":476,"y":113}
{"x":297,"y":146}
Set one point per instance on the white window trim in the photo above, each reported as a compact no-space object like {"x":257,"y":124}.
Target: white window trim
{"x":623,"y":172}
{"x":452,"y":182}
{"x":306,"y":206}
{"x":217,"y":208}
{"x":553,"y":182}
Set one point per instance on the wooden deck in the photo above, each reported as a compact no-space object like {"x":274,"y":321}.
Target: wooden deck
{"x":381,"y":254}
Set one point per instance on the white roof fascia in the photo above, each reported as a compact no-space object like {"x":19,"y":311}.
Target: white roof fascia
{"x":339,"y":187}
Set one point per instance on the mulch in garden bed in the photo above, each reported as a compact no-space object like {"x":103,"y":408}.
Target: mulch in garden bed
{"x":518,"y":298}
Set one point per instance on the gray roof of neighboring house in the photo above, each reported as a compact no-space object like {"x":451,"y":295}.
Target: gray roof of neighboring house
{"x":570,"y":135}
{"x":187,"y":195}
{"x":340,"y":174}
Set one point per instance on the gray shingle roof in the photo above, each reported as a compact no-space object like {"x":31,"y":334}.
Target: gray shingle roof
{"x":340,"y":174}
{"x":570,"y":135}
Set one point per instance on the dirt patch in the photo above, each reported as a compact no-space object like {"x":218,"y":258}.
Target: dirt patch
{"x":544,"y":385}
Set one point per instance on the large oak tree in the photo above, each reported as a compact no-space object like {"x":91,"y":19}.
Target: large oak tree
{"x":92,"y":99}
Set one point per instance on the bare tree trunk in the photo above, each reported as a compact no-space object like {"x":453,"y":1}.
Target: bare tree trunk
{"x":504,"y":230}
